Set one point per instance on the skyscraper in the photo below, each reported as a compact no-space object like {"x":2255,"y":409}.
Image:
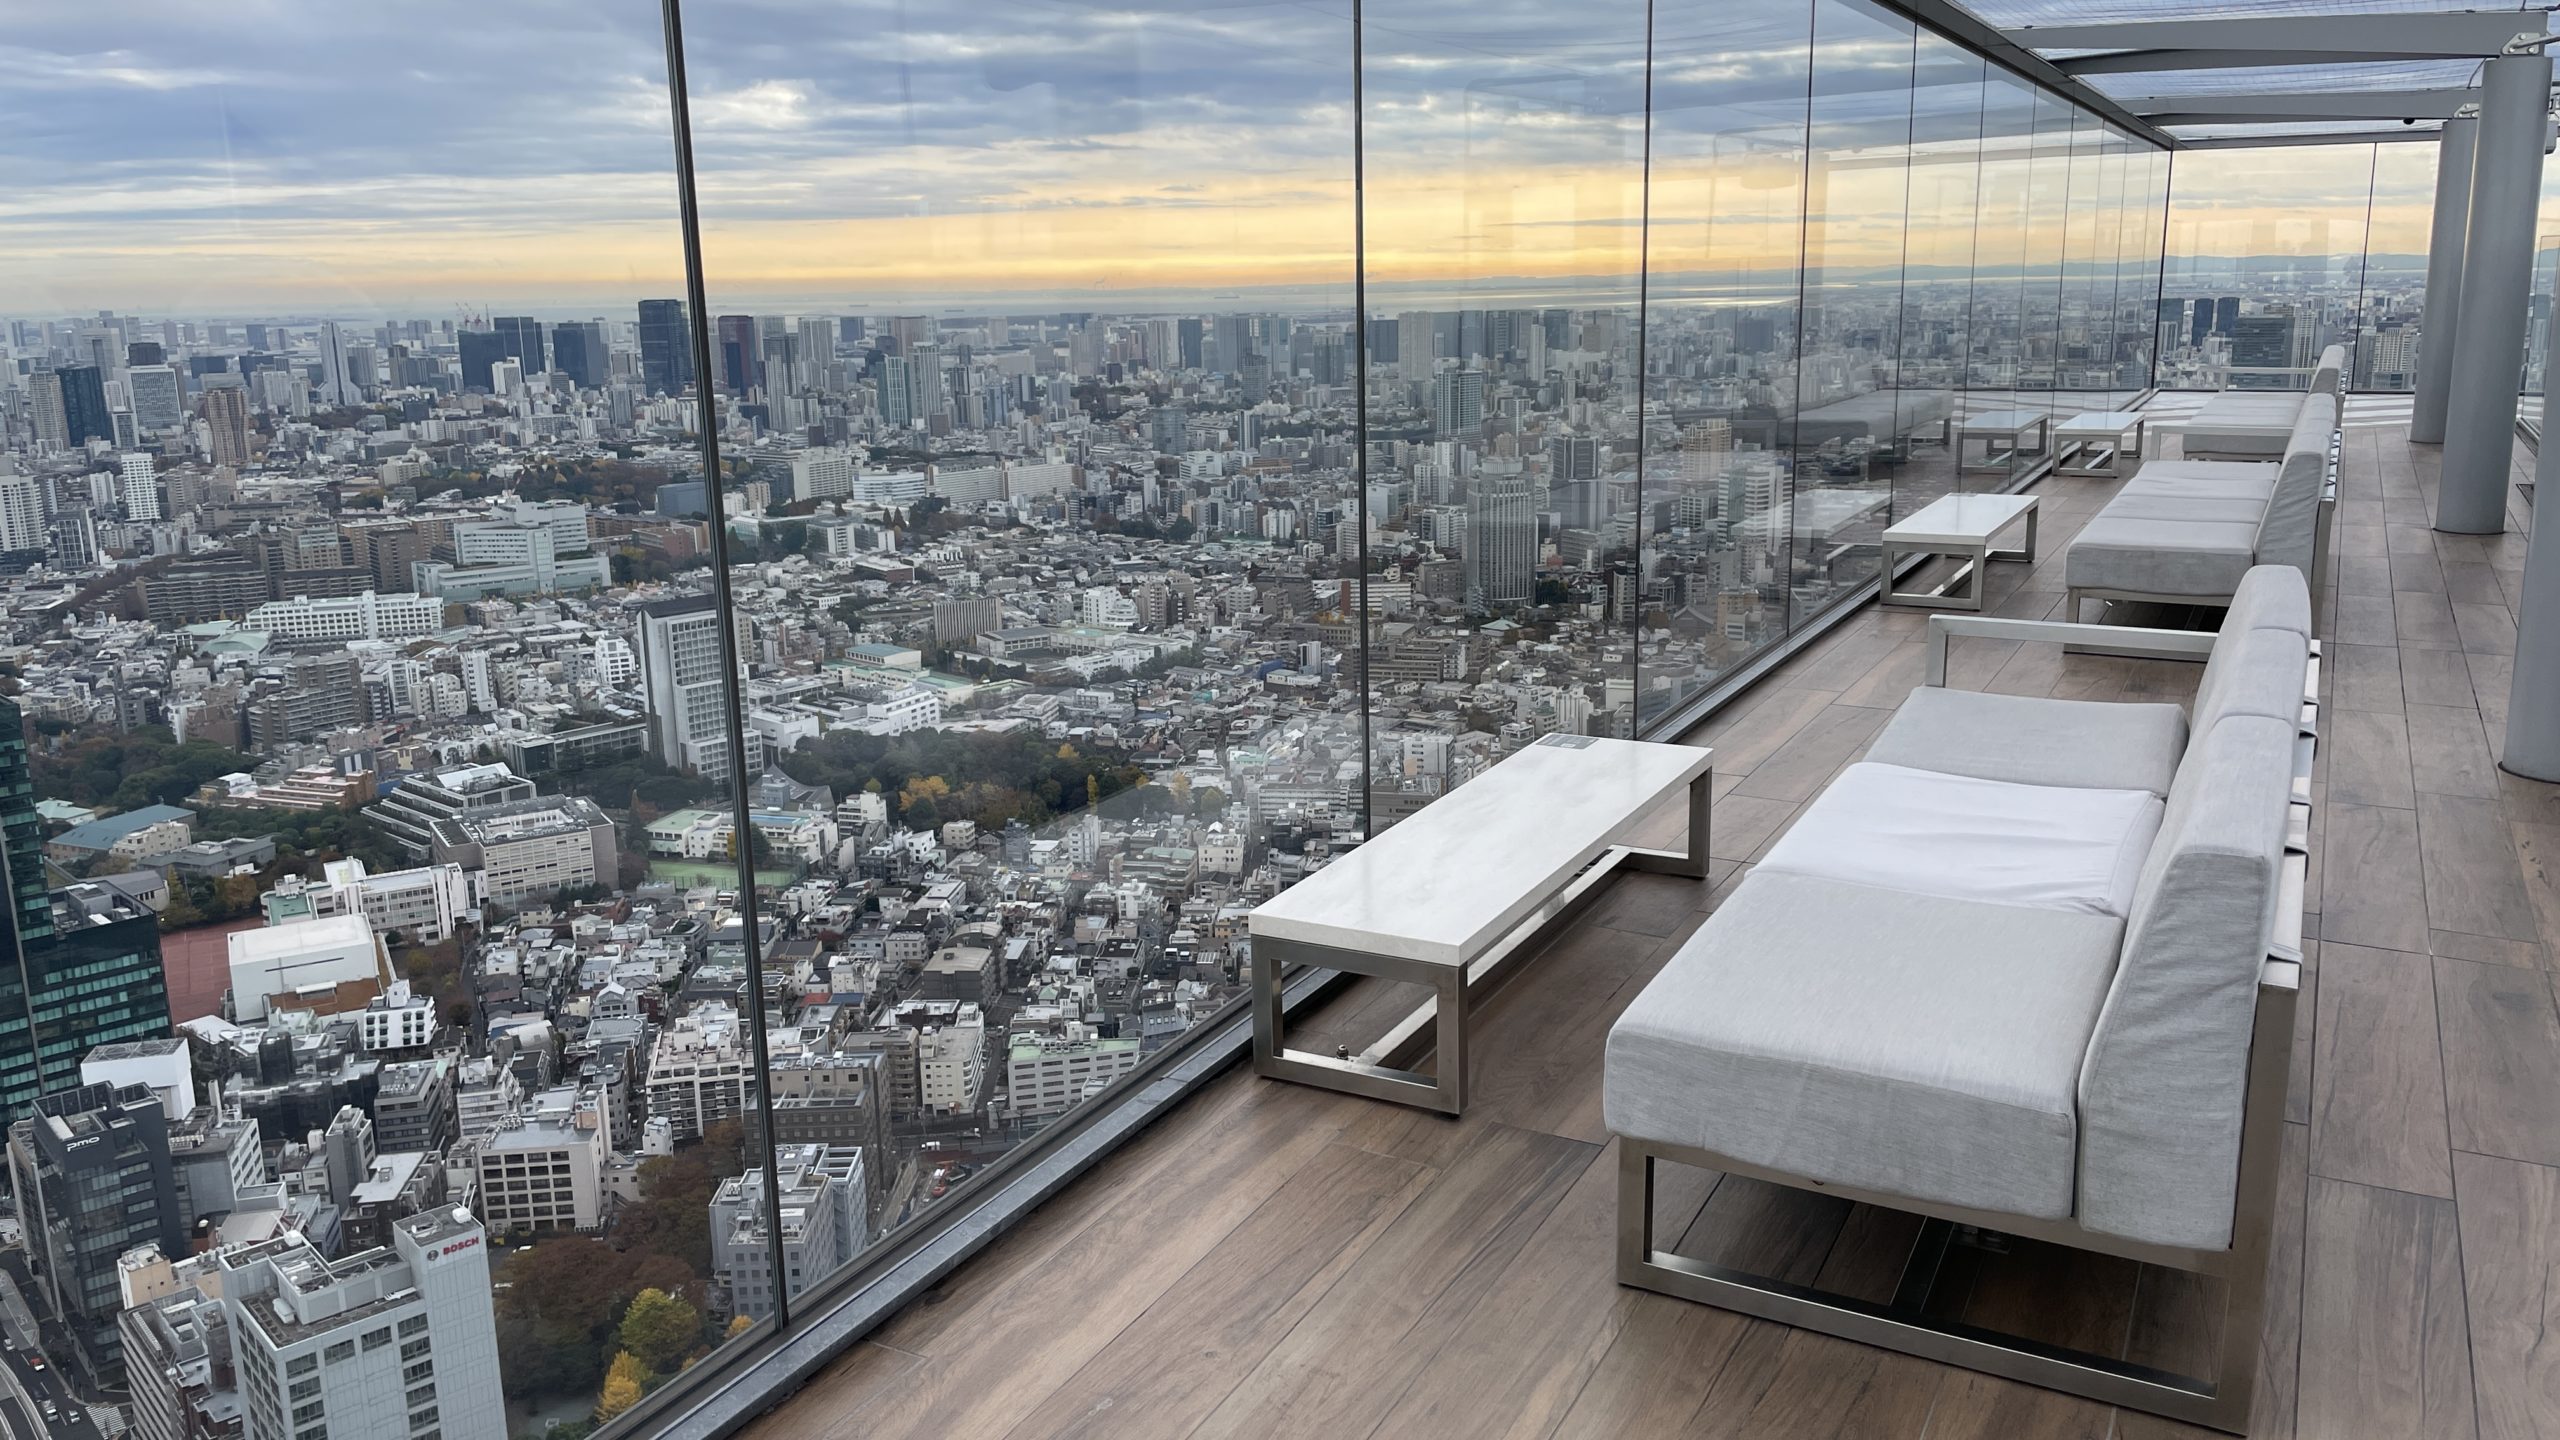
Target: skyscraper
{"x":1457,"y":404}
{"x":83,"y":393}
{"x":21,"y":512}
{"x":93,"y":1177}
{"x":2264,"y":341}
{"x":1502,"y":542}
{"x":521,"y":336}
{"x":1187,"y":334}
{"x":735,"y":345}
{"x":226,"y":414}
{"x":337,"y":382}
{"x":666,"y":348}
{"x":2226,"y":314}
{"x":2203,"y":322}
{"x":480,"y":349}
{"x":156,"y":402}
{"x":680,"y":676}
{"x":141,"y":476}
{"x":578,"y":351}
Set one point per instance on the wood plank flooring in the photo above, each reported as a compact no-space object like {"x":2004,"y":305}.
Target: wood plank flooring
{"x":1277,"y":1260}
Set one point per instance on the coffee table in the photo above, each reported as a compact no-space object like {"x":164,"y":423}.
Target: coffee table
{"x":1996,"y":427}
{"x":1452,"y":896}
{"x":1962,"y":525}
{"x":2093,"y":442}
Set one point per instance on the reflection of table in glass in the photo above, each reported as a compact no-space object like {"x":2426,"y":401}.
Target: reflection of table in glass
{"x":1453,"y":895}
{"x":1957,"y":525}
{"x":2003,"y":434}
{"x":2093,"y":442}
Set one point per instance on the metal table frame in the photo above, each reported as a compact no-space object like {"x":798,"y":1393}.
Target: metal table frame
{"x":1384,"y":1070}
{"x":2094,"y":437}
{"x":1978,"y":556}
{"x":1972,"y":430}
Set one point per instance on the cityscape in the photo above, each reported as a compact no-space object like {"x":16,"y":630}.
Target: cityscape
{"x":383,"y":1056}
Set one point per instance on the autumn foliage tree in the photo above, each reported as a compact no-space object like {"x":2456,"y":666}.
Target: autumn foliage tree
{"x":624,"y":1383}
{"x":661,"y":1329}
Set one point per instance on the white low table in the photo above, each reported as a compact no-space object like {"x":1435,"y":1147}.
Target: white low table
{"x":1997,"y":427}
{"x":1962,"y":525}
{"x":2093,"y":442}
{"x":1451,"y":895}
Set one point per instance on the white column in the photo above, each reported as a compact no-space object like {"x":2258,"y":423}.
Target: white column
{"x":2439,"y":320}
{"x":2497,"y":281}
{"x":2533,"y":694}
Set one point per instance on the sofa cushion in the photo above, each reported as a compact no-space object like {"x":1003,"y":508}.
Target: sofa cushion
{"x":2287,"y":530}
{"x":2160,"y":557}
{"x":1910,"y":1045}
{"x":2032,"y":740}
{"x":2252,"y":672}
{"x":2243,"y":422}
{"x":2166,"y":1077}
{"x":2238,"y":508}
{"x":2049,"y":846}
{"x":2271,"y":597}
{"x":2256,"y":478}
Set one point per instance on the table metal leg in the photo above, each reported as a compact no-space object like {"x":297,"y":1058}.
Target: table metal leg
{"x":1692,"y":863}
{"x":1363,"y":1075}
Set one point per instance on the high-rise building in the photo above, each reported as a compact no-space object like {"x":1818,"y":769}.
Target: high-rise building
{"x":666,"y":349}
{"x":825,"y":1212}
{"x":392,"y":1341}
{"x":578,"y":351}
{"x":141,"y":477}
{"x":92,"y":1173}
{"x":1187,"y":337}
{"x":680,"y":676}
{"x":226,"y":415}
{"x":337,"y":380}
{"x":480,"y":349}
{"x":735,"y":347}
{"x":1457,"y":404}
{"x":2226,"y":315}
{"x":22,"y":518}
{"x":1502,"y":542}
{"x":70,"y":406}
{"x":157,"y":404}
{"x":521,"y":337}
{"x":2264,"y":341}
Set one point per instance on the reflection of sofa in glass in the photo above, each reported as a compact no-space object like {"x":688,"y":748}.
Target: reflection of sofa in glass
{"x":1888,"y":419}
{"x":2030,"y":967}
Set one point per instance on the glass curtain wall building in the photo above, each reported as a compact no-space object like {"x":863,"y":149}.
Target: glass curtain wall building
{"x":665,"y":779}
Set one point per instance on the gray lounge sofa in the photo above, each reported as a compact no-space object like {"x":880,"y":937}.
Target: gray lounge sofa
{"x":2186,"y":531}
{"x":2029,"y":967}
{"x":2255,"y":424}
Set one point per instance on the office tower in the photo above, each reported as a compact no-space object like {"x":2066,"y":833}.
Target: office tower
{"x":141,"y":486}
{"x":2265,"y":341}
{"x":506,"y":377}
{"x":44,"y":410}
{"x":1457,"y":404}
{"x":2226,"y":315}
{"x":226,"y":415}
{"x":93,"y":1178}
{"x":521,"y":337}
{"x":1502,"y":542}
{"x":1572,"y":457}
{"x":906,"y":332}
{"x":849,"y":330}
{"x":680,"y":677}
{"x":2172,"y":313}
{"x":337,"y":384}
{"x":2202,"y":324}
{"x":741,"y":365}
{"x":782,"y":362}
{"x":897,"y":390}
{"x":1384,"y":335}
{"x":1231,"y":337}
{"x":1187,"y":338}
{"x":84,"y":405}
{"x":817,"y":337}
{"x":666,"y":347}
{"x":22,"y":516}
{"x":156,"y":397}
{"x":578,"y":351}
{"x":480,"y":350}
{"x":144,"y":352}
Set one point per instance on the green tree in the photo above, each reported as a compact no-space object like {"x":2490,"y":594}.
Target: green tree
{"x":661,"y":1329}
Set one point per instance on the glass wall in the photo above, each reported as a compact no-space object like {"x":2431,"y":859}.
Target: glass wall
{"x":625,"y":790}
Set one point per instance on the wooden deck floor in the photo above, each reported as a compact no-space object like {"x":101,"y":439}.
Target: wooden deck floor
{"x":1275,"y":1260}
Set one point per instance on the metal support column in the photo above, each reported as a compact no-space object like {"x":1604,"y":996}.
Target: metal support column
{"x":2441,"y":321}
{"x":2497,"y":280}
{"x":2533,"y":693}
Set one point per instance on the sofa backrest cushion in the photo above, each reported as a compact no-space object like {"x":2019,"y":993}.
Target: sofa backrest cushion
{"x":2325,"y":379}
{"x":2286,"y":530}
{"x":2252,"y":672}
{"x":2271,"y":597}
{"x":2166,"y":1076}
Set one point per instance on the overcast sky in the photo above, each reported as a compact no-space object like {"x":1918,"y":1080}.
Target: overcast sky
{"x":274,"y":156}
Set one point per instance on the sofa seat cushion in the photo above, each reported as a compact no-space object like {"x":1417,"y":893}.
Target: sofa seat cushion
{"x":2160,"y":557}
{"x":1909,"y":1045}
{"x":2243,"y":422}
{"x":2204,"y":479}
{"x":2046,"y":846}
{"x":2032,"y":740}
{"x":2148,"y":505}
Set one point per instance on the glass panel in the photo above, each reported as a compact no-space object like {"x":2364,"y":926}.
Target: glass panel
{"x":2395,"y":267}
{"x":2051,"y":234}
{"x":2267,"y":248}
{"x":1729,"y":107}
{"x":1504,"y":202}
{"x":1997,"y":336}
{"x":1938,"y":265}
{"x":1036,"y":374}
{"x":1849,"y":432}
{"x":2144,"y":319}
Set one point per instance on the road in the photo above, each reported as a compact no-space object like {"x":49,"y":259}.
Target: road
{"x":23,"y":1387}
